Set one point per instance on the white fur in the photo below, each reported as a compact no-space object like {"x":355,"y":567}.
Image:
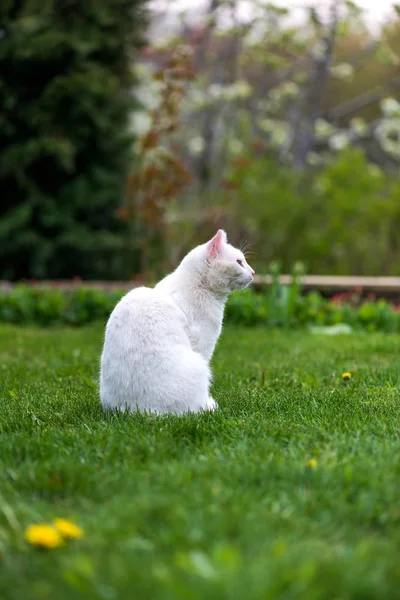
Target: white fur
{"x":158,"y":342}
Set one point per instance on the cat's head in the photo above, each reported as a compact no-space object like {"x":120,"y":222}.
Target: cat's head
{"x":223,"y":267}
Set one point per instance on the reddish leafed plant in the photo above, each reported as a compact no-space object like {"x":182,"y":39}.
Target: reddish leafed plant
{"x":161,"y":175}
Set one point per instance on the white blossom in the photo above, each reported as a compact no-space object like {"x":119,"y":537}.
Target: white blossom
{"x":339,"y":141}
{"x":148,"y":95}
{"x":215,"y":90}
{"x":388,"y":134}
{"x":239,"y":89}
{"x":390,"y":107}
{"x":235,"y":146}
{"x":323,"y":129}
{"x":314,"y":159}
{"x":342,"y":71}
{"x":197,"y":98}
{"x":318,"y":50}
{"x":280,"y":135}
{"x":242,"y":88}
{"x":140,"y":123}
{"x":358,"y":126}
{"x":279,"y":131}
{"x":266,"y":125}
{"x":196,"y":145}
{"x":288,"y":89}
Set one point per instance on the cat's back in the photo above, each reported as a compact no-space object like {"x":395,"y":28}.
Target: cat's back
{"x":141,"y":298}
{"x":142,"y":312}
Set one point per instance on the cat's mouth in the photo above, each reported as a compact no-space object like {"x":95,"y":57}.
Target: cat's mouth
{"x":242,"y":283}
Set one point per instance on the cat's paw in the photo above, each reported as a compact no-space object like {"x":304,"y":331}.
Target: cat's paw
{"x":211,"y":404}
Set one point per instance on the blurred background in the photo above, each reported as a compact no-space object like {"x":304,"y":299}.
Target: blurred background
{"x":131,"y":130}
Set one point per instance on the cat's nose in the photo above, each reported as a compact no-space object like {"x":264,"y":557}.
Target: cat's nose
{"x":252,"y":272}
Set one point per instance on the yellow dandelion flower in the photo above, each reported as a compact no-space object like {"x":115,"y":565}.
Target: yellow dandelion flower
{"x":43,"y":536}
{"x":312,"y":463}
{"x":67,"y":529}
{"x":346,"y":376}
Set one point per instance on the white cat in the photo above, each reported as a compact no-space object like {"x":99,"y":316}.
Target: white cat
{"x":158,"y":342}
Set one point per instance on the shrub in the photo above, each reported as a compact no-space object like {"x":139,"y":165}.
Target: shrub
{"x":342,"y":219}
{"x":65,"y":100}
{"x":275,"y":306}
{"x":52,"y":306}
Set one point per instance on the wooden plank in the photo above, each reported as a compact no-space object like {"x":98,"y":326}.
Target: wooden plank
{"x":338,"y":282}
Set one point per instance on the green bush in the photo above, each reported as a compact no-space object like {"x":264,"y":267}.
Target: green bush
{"x":65,"y":103}
{"x":52,"y":306}
{"x":276,"y":306}
{"x":343,"y":219}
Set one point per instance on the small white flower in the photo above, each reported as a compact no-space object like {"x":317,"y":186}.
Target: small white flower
{"x":242,"y":88}
{"x":290,"y":89}
{"x":235,"y":146}
{"x":318,"y":51}
{"x":342,"y":71}
{"x":266,"y":125}
{"x":273,"y":104}
{"x":140,"y":123}
{"x":287,"y":90}
{"x":279,"y":131}
{"x":196,"y":145}
{"x":215,"y":90}
{"x":197,"y":98}
{"x":235,"y":91}
{"x":390,"y":107}
{"x":228,"y":93}
{"x":323,"y":129}
{"x":358,"y":126}
{"x":148,"y":95}
{"x":339,"y":141}
{"x":314,"y":159}
{"x":141,"y":71}
{"x":280,"y":136}
{"x":388,"y":134}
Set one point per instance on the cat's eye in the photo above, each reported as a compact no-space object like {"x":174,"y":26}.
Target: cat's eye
{"x":240,"y":262}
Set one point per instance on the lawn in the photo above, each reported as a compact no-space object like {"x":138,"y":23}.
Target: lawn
{"x":219,"y":505}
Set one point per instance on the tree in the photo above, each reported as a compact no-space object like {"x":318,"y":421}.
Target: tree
{"x":304,"y":88}
{"x":65,"y":146}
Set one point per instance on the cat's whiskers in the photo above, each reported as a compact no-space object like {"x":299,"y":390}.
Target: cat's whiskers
{"x":244,"y":246}
{"x":245,"y":249}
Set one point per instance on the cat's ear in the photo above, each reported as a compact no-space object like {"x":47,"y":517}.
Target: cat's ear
{"x":214,"y":246}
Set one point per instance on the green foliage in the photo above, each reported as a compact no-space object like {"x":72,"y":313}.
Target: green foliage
{"x":275,"y":306}
{"x":285,"y":309}
{"x":65,"y":100}
{"x":220,"y":505}
{"x":53,"y":306}
{"x":342,"y":219}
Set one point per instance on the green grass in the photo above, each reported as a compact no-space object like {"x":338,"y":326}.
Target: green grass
{"x":213,"y":506}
